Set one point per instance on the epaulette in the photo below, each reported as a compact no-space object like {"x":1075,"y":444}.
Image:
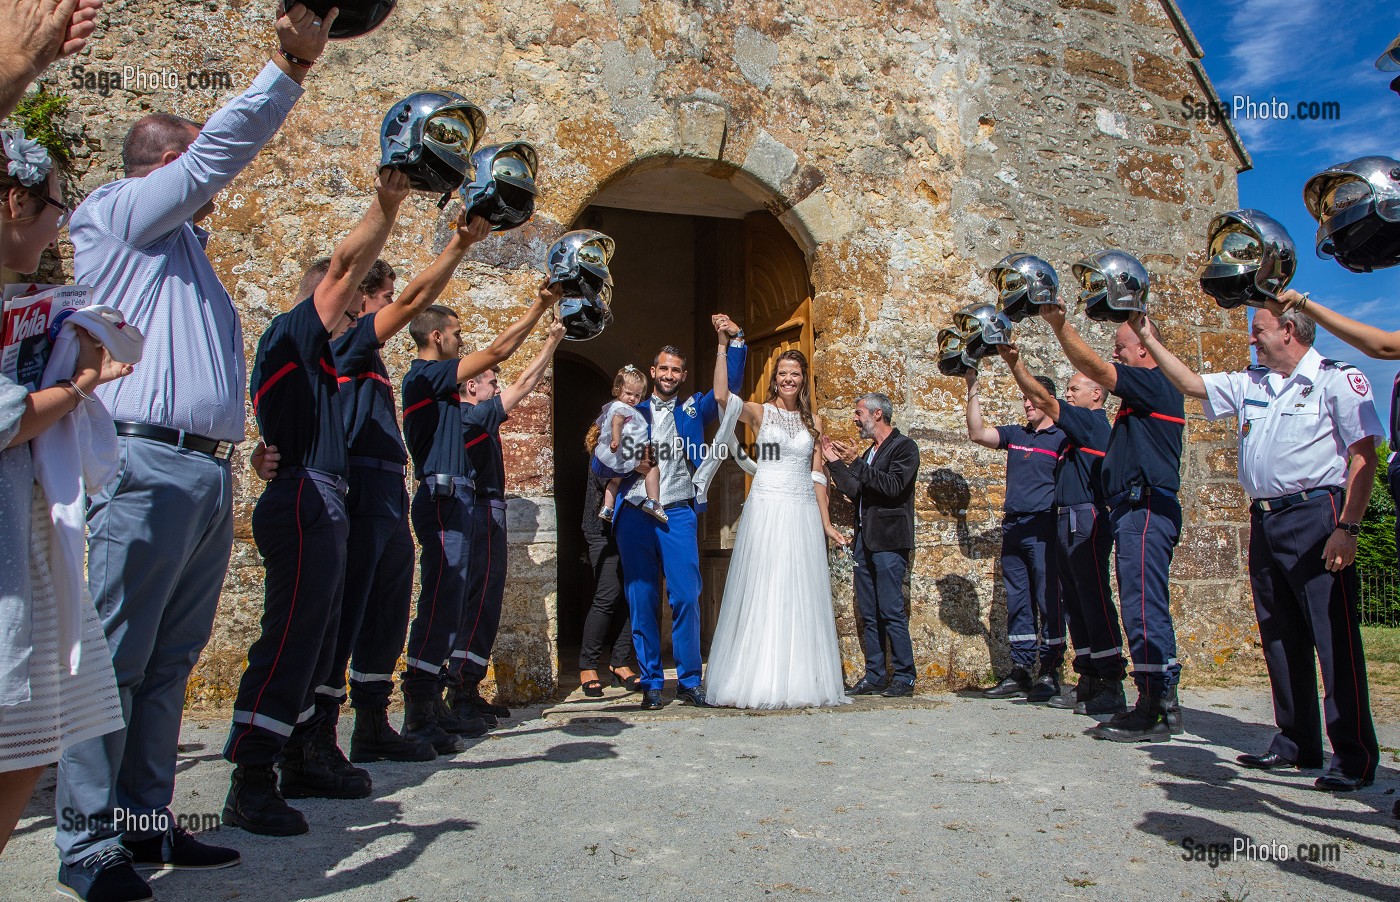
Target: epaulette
{"x":1257,"y":367}
{"x":1337,"y":364}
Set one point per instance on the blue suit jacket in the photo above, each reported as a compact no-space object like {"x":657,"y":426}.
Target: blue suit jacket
{"x":692,"y":415}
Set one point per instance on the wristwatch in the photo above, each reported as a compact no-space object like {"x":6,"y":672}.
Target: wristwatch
{"x":1351,"y":529}
{"x":738,"y":340}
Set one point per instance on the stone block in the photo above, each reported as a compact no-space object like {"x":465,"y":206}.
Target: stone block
{"x":702,"y":128}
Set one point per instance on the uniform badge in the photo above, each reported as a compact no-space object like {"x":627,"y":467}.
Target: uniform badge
{"x":1309,"y":390}
{"x":1358,"y":383}
{"x":1244,"y":429}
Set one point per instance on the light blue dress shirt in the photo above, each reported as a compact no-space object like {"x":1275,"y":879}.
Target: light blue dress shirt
{"x":134,"y":241}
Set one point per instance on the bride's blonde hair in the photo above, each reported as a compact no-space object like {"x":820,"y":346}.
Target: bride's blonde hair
{"x":804,"y":394}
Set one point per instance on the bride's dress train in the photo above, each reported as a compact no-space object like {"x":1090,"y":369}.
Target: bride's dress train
{"x":775,"y":643}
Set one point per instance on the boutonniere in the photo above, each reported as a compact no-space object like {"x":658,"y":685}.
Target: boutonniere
{"x":689,"y":407}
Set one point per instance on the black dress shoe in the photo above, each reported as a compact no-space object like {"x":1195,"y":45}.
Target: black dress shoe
{"x":692,"y":695}
{"x":898,"y":689}
{"x":1336,"y":781}
{"x":1270,"y":761}
{"x":651,"y":700}
{"x":865,"y":687}
{"x":1016,"y":684}
{"x":178,"y":850}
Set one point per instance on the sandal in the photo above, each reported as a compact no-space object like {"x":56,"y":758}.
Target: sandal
{"x":631,"y":684}
{"x":593,"y":688}
{"x":656,"y":510}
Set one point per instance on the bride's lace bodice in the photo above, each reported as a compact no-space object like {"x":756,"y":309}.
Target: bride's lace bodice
{"x":784,"y":456}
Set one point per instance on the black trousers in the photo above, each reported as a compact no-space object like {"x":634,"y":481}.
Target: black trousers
{"x":1304,"y":609}
{"x":608,"y":617}
{"x":300,"y":527}
{"x":486,"y":590}
{"x":1085,"y":542}
{"x":378,"y":590}
{"x":882,"y":604}
{"x":443,"y":526}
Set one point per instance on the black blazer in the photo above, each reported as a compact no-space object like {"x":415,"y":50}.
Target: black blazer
{"x":885,"y":488}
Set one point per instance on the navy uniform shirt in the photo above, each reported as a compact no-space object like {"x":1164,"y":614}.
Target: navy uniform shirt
{"x":367,"y":395}
{"x":432,"y":424}
{"x":1145,"y":446}
{"x":1031,"y":458}
{"x":1079,"y":479}
{"x":296,"y":395}
{"x":481,"y":424}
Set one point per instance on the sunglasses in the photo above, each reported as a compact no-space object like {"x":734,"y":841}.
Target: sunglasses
{"x":64,"y":211}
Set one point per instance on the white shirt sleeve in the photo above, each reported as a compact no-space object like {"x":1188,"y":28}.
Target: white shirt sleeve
{"x":1353,"y":408}
{"x":1225,"y":393}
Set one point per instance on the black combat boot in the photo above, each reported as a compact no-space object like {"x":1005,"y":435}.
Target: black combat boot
{"x":306,"y":774}
{"x":1016,"y":684}
{"x":374,"y":740}
{"x":1046,"y":686}
{"x":1070,"y":696}
{"x":255,"y":804}
{"x":1171,"y":713}
{"x":459,"y":702}
{"x":420,"y":720}
{"x":466,"y":724}
{"x":326,"y":741}
{"x":1144,"y":723}
{"x":1108,"y":698}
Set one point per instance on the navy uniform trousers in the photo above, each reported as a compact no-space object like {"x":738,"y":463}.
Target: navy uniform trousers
{"x":444,"y":529}
{"x":378,"y":589}
{"x":1035,"y":616}
{"x":486,"y":590}
{"x":1145,"y":533}
{"x":300,"y":527}
{"x":1085,"y":543}
{"x":1304,"y":608}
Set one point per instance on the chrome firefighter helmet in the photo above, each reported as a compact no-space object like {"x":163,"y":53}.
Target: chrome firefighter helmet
{"x":1113,"y":284}
{"x":1390,"y":60}
{"x":586,"y":316}
{"x":952,"y":356}
{"x":579,"y":261}
{"x":1357,"y":207}
{"x":1024,"y":282}
{"x":1252,"y":259}
{"x":356,"y":17}
{"x":503,"y":189}
{"x":983,"y":329}
{"x":429,"y":137}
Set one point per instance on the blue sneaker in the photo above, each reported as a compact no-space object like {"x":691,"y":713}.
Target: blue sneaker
{"x":104,"y":876}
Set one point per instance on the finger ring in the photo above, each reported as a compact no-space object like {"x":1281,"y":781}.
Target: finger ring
{"x":316,"y":23}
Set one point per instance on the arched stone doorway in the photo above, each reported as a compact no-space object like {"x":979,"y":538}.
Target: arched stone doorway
{"x":689,"y":244}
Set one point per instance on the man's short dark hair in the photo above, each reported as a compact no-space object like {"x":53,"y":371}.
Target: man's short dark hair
{"x":315,"y":271}
{"x":1047,"y":383}
{"x":434,"y":319}
{"x":673,"y":351}
{"x":151,"y":138}
{"x":378,"y":274}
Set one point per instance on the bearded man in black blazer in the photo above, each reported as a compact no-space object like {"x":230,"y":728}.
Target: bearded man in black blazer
{"x":880,"y":482}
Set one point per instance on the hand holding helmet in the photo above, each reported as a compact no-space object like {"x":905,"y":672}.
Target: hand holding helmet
{"x":302,"y":32}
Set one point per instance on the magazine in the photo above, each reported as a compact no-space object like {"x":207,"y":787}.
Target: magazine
{"x":32,"y":315}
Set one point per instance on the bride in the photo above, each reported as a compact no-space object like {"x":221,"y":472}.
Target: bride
{"x":775,"y":644}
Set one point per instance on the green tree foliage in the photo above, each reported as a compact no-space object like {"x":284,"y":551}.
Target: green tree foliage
{"x":1375,"y":552}
{"x":38,"y":114}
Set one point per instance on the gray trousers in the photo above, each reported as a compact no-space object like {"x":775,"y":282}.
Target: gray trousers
{"x":160,"y":535}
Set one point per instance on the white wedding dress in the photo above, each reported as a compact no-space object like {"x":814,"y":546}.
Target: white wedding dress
{"x":775,"y":644}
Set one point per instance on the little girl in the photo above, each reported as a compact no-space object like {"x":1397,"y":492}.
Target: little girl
{"x":626,"y":430}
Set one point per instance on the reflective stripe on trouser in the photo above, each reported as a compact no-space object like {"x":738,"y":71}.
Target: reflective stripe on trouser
{"x":1035,"y":617}
{"x":1085,"y":542}
{"x":159,"y":536}
{"x":882,"y":602}
{"x":486,"y":589}
{"x":1302,"y":607}
{"x":300,"y":528}
{"x":648,"y":548}
{"x":1145,"y":536}
{"x":378,"y":589}
{"x":443,"y":528}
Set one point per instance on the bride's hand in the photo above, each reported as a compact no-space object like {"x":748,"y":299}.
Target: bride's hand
{"x":835,"y":535}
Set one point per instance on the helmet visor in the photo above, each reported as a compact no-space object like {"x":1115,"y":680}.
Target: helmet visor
{"x":453,"y":130}
{"x":1093,"y":286}
{"x":1342,"y":194}
{"x":1236,"y":245}
{"x":1390,"y":60}
{"x":515,"y":168}
{"x":1010,"y":283}
{"x":950,"y":343}
{"x":594,"y":255}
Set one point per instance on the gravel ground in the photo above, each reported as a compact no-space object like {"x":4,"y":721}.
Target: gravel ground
{"x":937,"y":797}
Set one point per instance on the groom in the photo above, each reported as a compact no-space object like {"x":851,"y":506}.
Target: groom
{"x":649,"y":548}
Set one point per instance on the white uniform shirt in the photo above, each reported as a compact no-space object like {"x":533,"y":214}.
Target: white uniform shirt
{"x":1294,"y":430}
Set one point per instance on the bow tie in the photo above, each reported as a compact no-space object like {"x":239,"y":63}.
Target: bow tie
{"x":658,"y":404}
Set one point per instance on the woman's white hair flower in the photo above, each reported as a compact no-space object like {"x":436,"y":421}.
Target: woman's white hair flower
{"x":29,"y":161}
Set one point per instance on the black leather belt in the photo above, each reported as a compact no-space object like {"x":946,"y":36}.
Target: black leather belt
{"x":374,"y":463}
{"x":188,"y":440}
{"x":336,"y":482}
{"x":1283,"y":502}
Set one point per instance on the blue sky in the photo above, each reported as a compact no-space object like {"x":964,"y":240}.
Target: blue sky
{"x":1308,"y":50}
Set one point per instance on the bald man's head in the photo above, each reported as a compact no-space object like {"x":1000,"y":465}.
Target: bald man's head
{"x":1084,"y":392}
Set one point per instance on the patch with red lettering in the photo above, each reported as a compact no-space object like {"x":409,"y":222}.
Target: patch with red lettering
{"x":1358,"y":383}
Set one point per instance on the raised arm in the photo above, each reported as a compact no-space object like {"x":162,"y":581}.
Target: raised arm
{"x":147,"y":208}
{"x":509,"y":341}
{"x":1369,"y":340}
{"x":514,"y":393}
{"x":752,"y":412}
{"x":1042,"y":400}
{"x":978,"y":431}
{"x":1077,"y":349}
{"x":429,"y":285}
{"x":355,"y":254}
{"x":1186,"y":380}
{"x":36,"y":33}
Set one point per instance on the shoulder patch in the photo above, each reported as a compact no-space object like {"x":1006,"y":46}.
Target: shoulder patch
{"x":1336,"y":364}
{"x":1358,"y":383}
